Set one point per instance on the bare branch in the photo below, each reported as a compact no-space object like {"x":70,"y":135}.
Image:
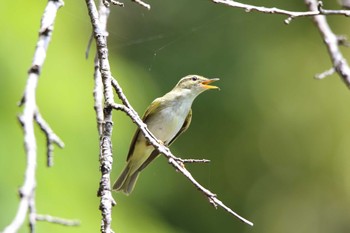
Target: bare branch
{"x":173,"y":160}
{"x":31,"y":113}
{"x":107,"y":3}
{"x":98,"y":87}
{"x":61,"y":221}
{"x":98,"y":97}
{"x":102,"y":72}
{"x":32,"y":212}
{"x":331,"y":41}
{"x":51,"y":137}
{"x":183,"y":161}
{"x":118,"y":89}
{"x":325,"y":74}
{"x":291,"y":14}
{"x":141,"y":3}
{"x":212,"y":198}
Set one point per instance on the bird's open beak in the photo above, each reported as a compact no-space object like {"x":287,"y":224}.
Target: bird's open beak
{"x":206,"y":82}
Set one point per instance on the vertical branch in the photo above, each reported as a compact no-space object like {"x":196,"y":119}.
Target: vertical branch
{"x":106,"y":161}
{"x":98,"y":87}
{"x":27,"y":191}
{"x":32,"y":213}
{"x":99,"y":22}
{"x":98,"y":97}
{"x":103,"y":81}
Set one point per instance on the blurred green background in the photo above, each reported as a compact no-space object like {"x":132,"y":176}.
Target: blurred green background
{"x":277,"y":138}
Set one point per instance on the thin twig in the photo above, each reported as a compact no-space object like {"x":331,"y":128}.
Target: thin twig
{"x":180,"y":160}
{"x":212,"y":198}
{"x":61,"y":221}
{"x":142,"y":3}
{"x":51,"y":137}
{"x":118,"y":89}
{"x":331,"y":41}
{"x":107,"y":3}
{"x":325,"y":73}
{"x":291,"y":14}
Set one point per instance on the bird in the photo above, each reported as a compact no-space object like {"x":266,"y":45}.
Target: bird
{"x":167,"y":118}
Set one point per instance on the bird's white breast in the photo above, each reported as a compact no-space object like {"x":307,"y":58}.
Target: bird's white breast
{"x":170,"y":120}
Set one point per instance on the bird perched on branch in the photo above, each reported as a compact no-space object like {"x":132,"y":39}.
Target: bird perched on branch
{"x":167,"y":118}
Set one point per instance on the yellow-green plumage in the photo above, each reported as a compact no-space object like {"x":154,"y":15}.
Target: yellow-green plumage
{"x":167,"y":117}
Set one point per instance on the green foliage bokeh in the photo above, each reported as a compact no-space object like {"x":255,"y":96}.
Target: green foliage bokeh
{"x":277,"y":138}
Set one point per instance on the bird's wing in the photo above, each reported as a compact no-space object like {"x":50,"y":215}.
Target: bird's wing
{"x":184,"y":127}
{"x":155,"y":106}
{"x":152,"y":156}
{"x":155,"y":152}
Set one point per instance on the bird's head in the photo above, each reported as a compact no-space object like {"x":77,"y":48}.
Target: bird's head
{"x":196,"y":84}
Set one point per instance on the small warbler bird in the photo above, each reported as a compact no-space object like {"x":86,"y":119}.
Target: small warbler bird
{"x":167,"y":118}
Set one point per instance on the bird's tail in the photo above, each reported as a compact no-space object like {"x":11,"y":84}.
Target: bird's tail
{"x":126,"y":181}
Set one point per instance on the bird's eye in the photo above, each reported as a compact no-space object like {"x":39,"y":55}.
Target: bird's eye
{"x":194,"y":78}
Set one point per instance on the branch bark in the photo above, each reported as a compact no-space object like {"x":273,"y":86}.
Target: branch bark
{"x":107,"y":3}
{"x":340,"y":65}
{"x":30,"y":115}
{"x":291,"y":14}
{"x":105,"y":123}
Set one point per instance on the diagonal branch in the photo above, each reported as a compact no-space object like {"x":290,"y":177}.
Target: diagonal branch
{"x":174,"y":161}
{"x":331,"y":41}
{"x":142,"y":3}
{"x":212,"y":198}
{"x":51,"y":137}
